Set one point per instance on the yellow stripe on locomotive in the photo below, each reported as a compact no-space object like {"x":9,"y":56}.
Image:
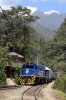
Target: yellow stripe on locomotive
{"x":27,"y":80}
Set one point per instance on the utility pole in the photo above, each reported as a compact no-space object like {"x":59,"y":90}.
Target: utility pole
{"x":37,"y":57}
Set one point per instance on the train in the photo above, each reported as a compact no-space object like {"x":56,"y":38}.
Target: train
{"x":32,"y":73}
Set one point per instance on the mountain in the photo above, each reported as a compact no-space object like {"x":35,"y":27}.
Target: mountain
{"x":52,"y":21}
{"x":43,"y":31}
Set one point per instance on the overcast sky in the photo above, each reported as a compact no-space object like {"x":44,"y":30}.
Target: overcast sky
{"x":46,"y":6}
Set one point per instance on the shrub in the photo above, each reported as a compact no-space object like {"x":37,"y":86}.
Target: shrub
{"x":17,"y":78}
{"x":2,"y":78}
{"x":4,"y":59}
{"x":60,"y":83}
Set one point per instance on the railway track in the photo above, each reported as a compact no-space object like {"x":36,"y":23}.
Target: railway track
{"x":33,"y":93}
{"x":38,"y":93}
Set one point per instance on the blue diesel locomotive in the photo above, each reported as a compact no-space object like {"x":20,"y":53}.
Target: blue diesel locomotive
{"x":34,"y":74}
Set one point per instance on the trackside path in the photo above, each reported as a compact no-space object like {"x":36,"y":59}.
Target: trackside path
{"x":48,"y":92}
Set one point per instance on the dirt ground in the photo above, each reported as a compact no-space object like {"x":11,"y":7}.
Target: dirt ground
{"x":16,"y":94}
{"x":48,"y":92}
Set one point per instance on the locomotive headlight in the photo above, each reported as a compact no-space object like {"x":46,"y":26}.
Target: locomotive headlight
{"x":27,"y":71}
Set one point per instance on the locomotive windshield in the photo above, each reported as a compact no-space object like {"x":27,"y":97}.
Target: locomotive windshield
{"x":30,"y":66}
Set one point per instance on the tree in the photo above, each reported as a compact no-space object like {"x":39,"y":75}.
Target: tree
{"x":17,"y":33}
{"x":4,"y":59}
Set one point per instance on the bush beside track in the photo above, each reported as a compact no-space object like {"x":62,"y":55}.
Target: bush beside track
{"x":60,"y":83}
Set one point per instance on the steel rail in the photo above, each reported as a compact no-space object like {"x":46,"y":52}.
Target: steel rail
{"x":32,"y":91}
{"x":38,"y":90}
{"x":25,"y":92}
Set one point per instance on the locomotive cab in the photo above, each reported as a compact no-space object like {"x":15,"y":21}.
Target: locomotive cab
{"x":28,"y":69}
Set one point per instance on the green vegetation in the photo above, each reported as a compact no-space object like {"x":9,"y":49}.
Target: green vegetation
{"x":60,"y":95}
{"x":17,"y":77}
{"x":16,"y":34}
{"x":4,"y":59}
{"x":2,"y":78}
{"x":54,"y":56}
{"x":60,"y":83}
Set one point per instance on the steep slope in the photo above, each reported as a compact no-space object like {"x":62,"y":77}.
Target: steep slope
{"x":43,"y":31}
{"x":52,"y":21}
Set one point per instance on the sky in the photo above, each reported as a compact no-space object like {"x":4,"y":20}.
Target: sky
{"x":46,"y":6}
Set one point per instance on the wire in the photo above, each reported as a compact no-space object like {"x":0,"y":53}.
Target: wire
{"x":6,"y":17}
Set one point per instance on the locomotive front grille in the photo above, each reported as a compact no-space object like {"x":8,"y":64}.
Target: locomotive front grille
{"x":27,"y":80}
{"x":22,"y":81}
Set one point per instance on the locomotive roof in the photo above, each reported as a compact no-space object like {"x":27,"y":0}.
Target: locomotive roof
{"x":46,"y":68}
{"x":33,"y":64}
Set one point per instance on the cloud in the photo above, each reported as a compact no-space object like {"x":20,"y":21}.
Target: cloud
{"x":6,"y":4}
{"x":50,"y":12}
{"x":61,"y":1}
{"x":33,"y":9}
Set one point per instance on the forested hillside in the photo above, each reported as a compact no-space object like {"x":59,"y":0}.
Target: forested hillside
{"x":43,"y":31}
{"x":15,"y":33}
{"x":54,"y":51}
{"x":54,"y":55}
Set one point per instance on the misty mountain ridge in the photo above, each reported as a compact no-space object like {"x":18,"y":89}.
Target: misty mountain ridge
{"x":52,"y":21}
{"x":43,"y":31}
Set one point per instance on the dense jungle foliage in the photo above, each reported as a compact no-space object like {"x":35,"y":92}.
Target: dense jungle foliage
{"x":4,"y":59}
{"x":17,"y":36}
